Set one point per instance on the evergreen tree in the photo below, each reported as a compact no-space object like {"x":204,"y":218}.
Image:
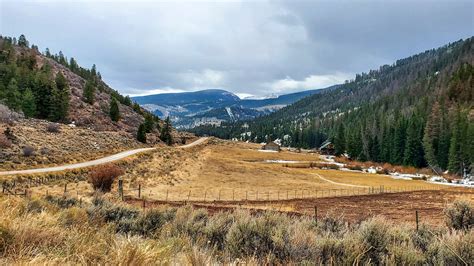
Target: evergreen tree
{"x":141,"y":134}
{"x":413,"y":155}
{"x":114,"y":110}
{"x":398,"y":146}
{"x":431,"y":136}
{"x":22,"y":41}
{"x":454,"y":163}
{"x":340,"y":141}
{"x":62,"y":97}
{"x":166,"y":132}
{"x":28,"y":105}
{"x":89,"y":92}
{"x":149,"y":123}
{"x":13,"y":95}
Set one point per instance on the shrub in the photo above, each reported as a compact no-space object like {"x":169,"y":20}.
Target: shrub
{"x":460,"y":215}
{"x":28,"y":151}
{"x":422,"y":238}
{"x":373,"y":236}
{"x":329,"y":249}
{"x":217,"y":228}
{"x":148,"y":223}
{"x":332,"y":225}
{"x":354,"y":167}
{"x":73,"y":217}
{"x":102,"y":177}
{"x":34,"y":206}
{"x":452,"y":249}
{"x":5,"y":143}
{"x":62,"y":202}
{"x":103,"y":210}
{"x":6,"y":239}
{"x":260,"y":236}
{"x":53,"y":128}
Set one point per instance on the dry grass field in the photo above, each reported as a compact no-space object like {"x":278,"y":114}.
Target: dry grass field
{"x":222,"y":174}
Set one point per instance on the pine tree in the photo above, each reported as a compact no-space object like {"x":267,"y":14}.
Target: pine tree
{"x":413,"y":154}
{"x":141,"y":134}
{"x":13,"y":95}
{"x":22,"y":41}
{"x":149,"y":123}
{"x":398,"y":144}
{"x":340,"y":141}
{"x":114,"y":110}
{"x":166,"y":132}
{"x":431,"y":136}
{"x":28,"y":105}
{"x":62,"y":98}
{"x":89,"y":92}
{"x":454,"y":163}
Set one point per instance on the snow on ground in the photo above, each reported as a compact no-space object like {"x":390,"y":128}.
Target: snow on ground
{"x":266,"y":151}
{"x":282,"y":161}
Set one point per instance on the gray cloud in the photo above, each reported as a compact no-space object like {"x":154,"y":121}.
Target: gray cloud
{"x":253,"y":48}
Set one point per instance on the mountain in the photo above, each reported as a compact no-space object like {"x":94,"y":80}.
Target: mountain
{"x":419,"y":111}
{"x":213,"y":107}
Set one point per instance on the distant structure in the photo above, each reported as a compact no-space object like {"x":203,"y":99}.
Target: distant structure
{"x":327,"y":148}
{"x":271,"y":146}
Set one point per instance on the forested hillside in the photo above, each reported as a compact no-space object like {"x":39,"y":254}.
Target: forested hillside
{"x":51,"y":87}
{"x":417,"y":111}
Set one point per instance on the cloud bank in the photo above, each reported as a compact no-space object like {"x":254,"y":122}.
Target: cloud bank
{"x":249,"y":48}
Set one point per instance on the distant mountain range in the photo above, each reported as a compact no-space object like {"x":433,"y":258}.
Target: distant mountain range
{"x":212,"y":107}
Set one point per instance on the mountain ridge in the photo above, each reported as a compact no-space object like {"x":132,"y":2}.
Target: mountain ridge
{"x":214,"y":106}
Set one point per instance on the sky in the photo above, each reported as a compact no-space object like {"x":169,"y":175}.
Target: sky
{"x":251,"y":48}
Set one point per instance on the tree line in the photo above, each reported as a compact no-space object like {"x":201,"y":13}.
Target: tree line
{"x":415,"y":112}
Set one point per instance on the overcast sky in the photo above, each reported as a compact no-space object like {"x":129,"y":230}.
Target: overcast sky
{"x":247,"y":47}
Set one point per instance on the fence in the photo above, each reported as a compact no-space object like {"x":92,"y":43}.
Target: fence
{"x":229,"y":195}
{"x":20,"y":186}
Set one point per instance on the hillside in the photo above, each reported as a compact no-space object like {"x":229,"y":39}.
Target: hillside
{"x":417,"y":111}
{"x":213,"y":107}
{"x":26,"y":71}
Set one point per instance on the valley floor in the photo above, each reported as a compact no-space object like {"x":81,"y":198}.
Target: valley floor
{"x":221,"y":175}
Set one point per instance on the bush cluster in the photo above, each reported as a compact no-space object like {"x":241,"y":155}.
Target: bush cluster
{"x":103,"y":176}
{"x":275,"y":238}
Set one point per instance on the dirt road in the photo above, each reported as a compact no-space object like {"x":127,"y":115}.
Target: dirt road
{"x":107,"y":159}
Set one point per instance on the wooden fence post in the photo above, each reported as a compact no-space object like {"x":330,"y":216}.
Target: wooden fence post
{"x":139,"y":190}
{"x":120,"y":188}
{"x":416,"y":217}
{"x":233,"y":194}
{"x":316,"y":214}
{"x":189,"y":194}
{"x":65,"y":188}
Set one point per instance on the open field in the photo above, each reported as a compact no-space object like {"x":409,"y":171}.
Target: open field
{"x":223,"y":174}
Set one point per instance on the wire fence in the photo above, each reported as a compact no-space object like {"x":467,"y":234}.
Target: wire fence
{"x":230,"y":195}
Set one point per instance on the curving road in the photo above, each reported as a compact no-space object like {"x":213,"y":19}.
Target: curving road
{"x":107,"y":159}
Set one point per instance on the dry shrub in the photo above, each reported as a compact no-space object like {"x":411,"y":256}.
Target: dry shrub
{"x":405,"y":169}
{"x":73,"y":217}
{"x":5,"y":143}
{"x":103,"y":176}
{"x":6,"y":238}
{"x":374,"y":238}
{"x":460,"y":215}
{"x":354,"y":167}
{"x":53,"y":128}
{"x":260,"y":236}
{"x":28,"y":151}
